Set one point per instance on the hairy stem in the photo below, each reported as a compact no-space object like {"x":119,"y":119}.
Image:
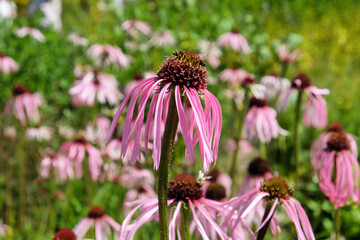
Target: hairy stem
{"x":185,"y":222}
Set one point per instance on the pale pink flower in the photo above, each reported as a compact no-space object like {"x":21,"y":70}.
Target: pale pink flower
{"x":260,"y":122}
{"x":133,"y":176}
{"x":258,"y":90}
{"x":95,"y":85}
{"x":100,"y":221}
{"x":65,"y":234}
{"x":137,"y":46}
{"x":133,"y":83}
{"x":183,"y":75}
{"x":29,"y":31}
{"x":97,"y":133}
{"x":7,"y":64}
{"x":81,"y":70}
{"x":275,"y":85}
{"x":132,"y":27}
{"x":234,"y":40}
{"x":3,"y":229}
{"x":77,"y":40}
{"x":7,"y":9}
{"x":285,"y":55}
{"x":141,"y":192}
{"x":220,"y":178}
{"x":61,"y":165}
{"x":66,"y":131}
{"x":24,"y":101}
{"x":315,"y":113}
{"x":111,"y":172}
{"x":107,"y":54}
{"x":245,"y":146}
{"x":114,"y":151}
{"x":235,"y":76}
{"x":184,"y":189}
{"x":40,"y":133}
{"x":210,"y":52}
{"x":76,"y":153}
{"x":337,"y":170}
{"x":10,"y":132}
{"x":274,"y":191}
{"x":163,"y":39}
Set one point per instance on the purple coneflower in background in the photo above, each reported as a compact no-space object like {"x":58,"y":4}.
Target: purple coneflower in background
{"x":3,"y":229}
{"x":133,"y":176}
{"x":275,"y":85}
{"x":97,"y":85}
{"x":210,"y":52}
{"x":285,"y":55}
{"x":183,"y":190}
{"x":107,"y":54}
{"x":32,"y":32}
{"x":163,"y":39}
{"x":62,"y":166}
{"x":7,"y":64}
{"x":78,"y":40}
{"x":101,"y":222}
{"x":234,"y":40}
{"x":337,"y":170}
{"x":24,"y":101}
{"x":260,"y":122}
{"x":133,"y":26}
{"x":235,"y":76}
{"x":65,"y":234}
{"x":220,"y":178}
{"x":275,"y":192}
{"x":183,"y":76}
{"x":40,"y":133}
{"x":315,"y":113}
{"x":97,"y":132}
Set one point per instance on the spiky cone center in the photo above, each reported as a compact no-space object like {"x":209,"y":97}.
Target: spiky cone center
{"x":19,"y":90}
{"x":184,"y":187}
{"x":258,"y":167}
{"x":80,"y":140}
{"x":337,"y":142}
{"x":215,"y":191}
{"x":247,"y":81}
{"x":96,"y":212}
{"x":215,"y":173}
{"x":277,"y":188}
{"x":184,"y":68}
{"x":304,"y":81}
{"x":335,"y":127}
{"x":257,"y":102}
{"x":65,"y":234}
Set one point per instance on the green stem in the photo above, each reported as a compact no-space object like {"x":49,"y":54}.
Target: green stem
{"x":337,"y":224}
{"x":263,"y":150}
{"x":241,"y":121}
{"x":264,"y":229}
{"x":296,"y":136}
{"x":21,"y":177}
{"x":167,"y":147}
{"x":185,"y":222}
{"x":284,"y":68}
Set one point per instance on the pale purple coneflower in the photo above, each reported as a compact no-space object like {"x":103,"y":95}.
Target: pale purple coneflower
{"x":80,"y":70}
{"x":78,"y":40}
{"x":218,"y":177}
{"x":182,"y":76}
{"x":138,"y":77}
{"x":100,"y":221}
{"x":111,"y":172}
{"x":114,"y":151}
{"x":39,"y":133}
{"x":234,"y":40}
{"x":163,"y":39}
{"x":337,"y":170}
{"x":260,"y":122}
{"x":285,"y":55}
{"x":132,"y":27}
{"x":210,"y":52}
{"x":24,"y":101}
{"x":7,"y":64}
{"x":3,"y":229}
{"x":275,"y":85}
{"x":97,"y":133}
{"x":322,"y":140}
{"x":141,"y":192}
{"x":245,"y":146}
{"x":274,"y":192}
{"x":65,"y":234}
{"x":258,"y":90}
{"x":66,"y":131}
{"x":76,"y":152}
{"x":315,"y":113}
{"x":95,"y":85}
{"x":7,"y":9}
{"x":61,"y":165}
{"x":30,"y":31}
{"x":107,"y":54}
{"x":10,"y":132}
{"x":133,"y":176}
{"x":184,"y":191}
{"x":137,"y":46}
{"x":234,"y":75}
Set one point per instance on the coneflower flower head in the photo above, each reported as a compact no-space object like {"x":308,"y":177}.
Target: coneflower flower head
{"x":258,"y":167}
{"x":215,"y":191}
{"x":301,"y":81}
{"x":65,"y":234}
{"x":184,"y":187}
{"x":277,"y":188}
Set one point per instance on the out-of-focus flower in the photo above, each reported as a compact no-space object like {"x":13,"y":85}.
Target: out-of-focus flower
{"x":24,"y":101}
{"x":245,"y":146}
{"x":102,"y":86}
{"x":40,"y":133}
{"x":235,"y":76}
{"x":183,"y":75}
{"x":3,"y":229}
{"x":274,"y":85}
{"x":276,"y":192}
{"x":65,"y":234}
{"x":337,"y":170}
{"x":234,"y":40}
{"x":114,"y":151}
{"x":218,"y":177}
{"x":7,"y":64}
{"x":52,"y":14}
{"x":107,"y":54}
{"x":7,"y":9}
{"x":133,"y":177}
{"x":163,"y":39}
{"x":81,"y":70}
{"x":62,"y":166}
{"x":256,"y":89}
{"x":285,"y":55}
{"x":210,"y":52}
{"x":98,"y":133}
{"x":315,"y":113}
{"x":138,"y":77}
{"x":100,"y":221}
{"x":184,"y":191}
{"x":260,"y":122}
{"x":136,"y":46}
{"x":76,"y":152}
{"x":112,"y":171}
{"x":132,"y":27}
{"x":78,"y":40}
{"x":141,"y":192}
{"x":66,"y":131}
{"x":29,"y":31}
{"x":10,"y":132}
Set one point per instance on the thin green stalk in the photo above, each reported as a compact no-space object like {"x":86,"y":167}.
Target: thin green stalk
{"x":185,"y":222}
{"x":167,"y":147}
{"x":264,"y":229}
{"x":296,"y":136}
{"x":337,"y":224}
{"x":21,"y":159}
{"x":284,"y":68}
{"x":263,"y":150}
